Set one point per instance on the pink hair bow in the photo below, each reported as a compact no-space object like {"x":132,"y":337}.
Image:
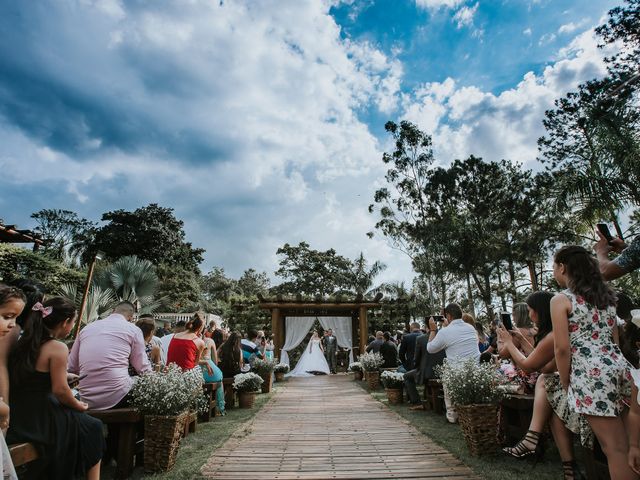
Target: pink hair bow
{"x":38,"y":307}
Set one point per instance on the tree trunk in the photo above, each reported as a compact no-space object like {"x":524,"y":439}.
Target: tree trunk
{"x":470,"y":296}
{"x":533,"y":276}
{"x":485,"y":292}
{"x":616,"y":225}
{"x":503,"y":299}
{"x":512,"y":279}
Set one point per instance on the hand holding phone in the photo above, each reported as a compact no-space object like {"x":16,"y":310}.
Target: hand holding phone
{"x":603,"y":228}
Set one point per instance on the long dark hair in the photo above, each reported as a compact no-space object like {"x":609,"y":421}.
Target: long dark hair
{"x":22,"y":360}
{"x":34,"y":293}
{"x":540,"y":302}
{"x":195,"y":323}
{"x":584,"y":277}
{"x":9,"y":293}
{"x":230,"y":353}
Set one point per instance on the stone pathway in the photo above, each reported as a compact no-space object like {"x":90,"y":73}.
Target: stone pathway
{"x":327,"y":427}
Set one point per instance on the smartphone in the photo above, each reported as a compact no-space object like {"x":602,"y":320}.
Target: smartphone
{"x":438,"y":318}
{"x":603,"y":228}
{"x":505,"y":319}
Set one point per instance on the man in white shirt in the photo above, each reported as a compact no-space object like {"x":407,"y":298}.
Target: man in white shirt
{"x":458,"y":339}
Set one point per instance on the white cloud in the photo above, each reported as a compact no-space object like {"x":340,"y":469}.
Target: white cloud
{"x":527,"y":32}
{"x":464,"y":16}
{"x":436,"y":4}
{"x":571,"y":27}
{"x":547,"y":38}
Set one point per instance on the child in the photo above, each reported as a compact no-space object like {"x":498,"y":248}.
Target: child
{"x":43,"y":409}
{"x":590,"y":364}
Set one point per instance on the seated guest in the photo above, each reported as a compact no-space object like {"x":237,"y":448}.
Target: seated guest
{"x":468,"y":318}
{"x":230,"y":356}
{"x":250,"y":350}
{"x":185,"y":349}
{"x":166,"y":340}
{"x":101,"y":355}
{"x":483,"y":340}
{"x":408,"y":346}
{"x":376,"y":344}
{"x":425,"y":363}
{"x":44,"y":411}
{"x":459,"y":341}
{"x":210,"y":354}
{"x":389,"y":351}
{"x":151,"y":347}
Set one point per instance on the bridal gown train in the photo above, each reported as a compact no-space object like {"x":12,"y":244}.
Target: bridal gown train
{"x":312,"y":360}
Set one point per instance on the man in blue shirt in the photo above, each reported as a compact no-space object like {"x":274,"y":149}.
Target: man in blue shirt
{"x":250,"y":350}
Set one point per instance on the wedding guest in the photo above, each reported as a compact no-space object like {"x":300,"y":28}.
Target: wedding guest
{"x":590,"y":364}
{"x":230,"y":353}
{"x":44,"y":411}
{"x":389,"y":351}
{"x":250,"y":350}
{"x":185,"y":349}
{"x":468,"y":318}
{"x":165,"y":329}
{"x":630,"y":350}
{"x":210,"y":354}
{"x":425,"y":363}
{"x":522,"y":322}
{"x":626,"y":262}
{"x":483,"y":340}
{"x":151,"y":347}
{"x":101,"y":355}
{"x":408,"y":346}
{"x":166,"y":340}
{"x":458,"y":340}
{"x":376,"y":344}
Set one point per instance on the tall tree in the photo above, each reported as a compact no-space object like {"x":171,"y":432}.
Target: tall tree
{"x":362,"y":275}
{"x":61,"y":231}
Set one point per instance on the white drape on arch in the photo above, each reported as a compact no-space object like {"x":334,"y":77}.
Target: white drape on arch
{"x":296,"y":329}
{"x":341,"y":327}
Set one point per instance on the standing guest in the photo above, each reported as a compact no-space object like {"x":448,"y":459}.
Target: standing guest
{"x":166,"y":340}
{"x":101,"y":355}
{"x":458,"y":339}
{"x":231,"y":361}
{"x":250,"y":350}
{"x":44,"y":411}
{"x":483,"y":340}
{"x":590,"y":364}
{"x":269,"y":348}
{"x":376,"y":344}
{"x":185,"y":349}
{"x":425,"y":364}
{"x":408,"y":346}
{"x":389,"y":351}
{"x":12,"y":302}
{"x":151,"y":348}
{"x":628,"y":261}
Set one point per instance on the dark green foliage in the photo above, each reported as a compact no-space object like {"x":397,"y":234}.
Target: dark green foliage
{"x":63,"y":232}
{"x":179,"y":288}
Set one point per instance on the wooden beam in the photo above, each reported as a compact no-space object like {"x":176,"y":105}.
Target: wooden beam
{"x":321,"y":306}
{"x":276,"y":331}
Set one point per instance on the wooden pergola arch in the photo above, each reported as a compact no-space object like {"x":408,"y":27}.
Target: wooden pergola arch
{"x":356,"y":309}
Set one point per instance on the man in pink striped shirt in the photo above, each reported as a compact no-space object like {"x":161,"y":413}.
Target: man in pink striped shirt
{"x":101,"y":355}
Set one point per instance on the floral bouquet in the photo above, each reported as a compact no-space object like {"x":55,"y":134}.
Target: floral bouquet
{"x":469,"y":382}
{"x":263,"y":367}
{"x":355,"y":367}
{"x":281,"y":368}
{"x":515,"y":380}
{"x":371,"y":362}
{"x":392,"y":380}
{"x":247,"y":382}
{"x":169,"y":392}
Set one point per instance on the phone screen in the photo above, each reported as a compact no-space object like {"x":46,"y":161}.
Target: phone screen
{"x":604,"y":230}
{"x":505,"y":319}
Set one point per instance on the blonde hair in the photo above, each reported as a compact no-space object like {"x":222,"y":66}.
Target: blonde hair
{"x":468,"y":318}
{"x":520,"y":315}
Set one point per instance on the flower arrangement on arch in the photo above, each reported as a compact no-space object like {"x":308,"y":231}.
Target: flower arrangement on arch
{"x":247,"y":382}
{"x":469,"y":382}
{"x":392,"y":380}
{"x":371,"y":362}
{"x":355,"y":367}
{"x":281,"y":368}
{"x":169,"y":392}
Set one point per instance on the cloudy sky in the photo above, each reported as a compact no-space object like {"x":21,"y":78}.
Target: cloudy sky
{"x":262,"y":121}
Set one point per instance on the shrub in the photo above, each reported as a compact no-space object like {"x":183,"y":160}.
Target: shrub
{"x":469,"y":382}
{"x":263,"y":367}
{"x":392,"y":379}
{"x":247,"y":382}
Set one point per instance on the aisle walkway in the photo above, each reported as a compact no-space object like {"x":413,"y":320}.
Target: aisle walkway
{"x":327,"y":427}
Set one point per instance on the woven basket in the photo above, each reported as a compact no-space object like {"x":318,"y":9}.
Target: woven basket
{"x":267,"y":382}
{"x":246,"y":399}
{"x":480,"y":427}
{"x":357,"y":375}
{"x":161,"y":441}
{"x":373,"y":379}
{"x":394,"y":395}
{"x":279,"y":376}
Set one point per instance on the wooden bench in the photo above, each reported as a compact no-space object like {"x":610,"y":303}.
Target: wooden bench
{"x":516,"y":411}
{"x":190,"y":424}
{"x":229,"y":393}
{"x":126,"y":423}
{"x":22,"y":453}
{"x":210,"y":390}
{"x":434,"y":396}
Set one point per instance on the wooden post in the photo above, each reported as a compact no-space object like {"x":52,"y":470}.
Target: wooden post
{"x":276,"y":331}
{"x":354,"y":335}
{"x":364,"y":328}
{"x":83,"y":303}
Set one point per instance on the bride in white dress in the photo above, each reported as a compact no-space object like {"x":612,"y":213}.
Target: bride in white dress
{"x":312,"y":360}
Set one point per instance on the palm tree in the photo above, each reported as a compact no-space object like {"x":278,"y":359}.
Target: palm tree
{"x":362,"y":275}
{"x":99,"y":301}
{"x":132,"y":279}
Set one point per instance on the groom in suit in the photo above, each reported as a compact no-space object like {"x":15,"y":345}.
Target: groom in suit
{"x":330,"y":344}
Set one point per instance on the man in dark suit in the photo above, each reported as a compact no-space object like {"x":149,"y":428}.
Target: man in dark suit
{"x":425,"y":364}
{"x":408,"y":346}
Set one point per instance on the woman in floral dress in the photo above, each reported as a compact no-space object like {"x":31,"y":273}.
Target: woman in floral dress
{"x":590,"y":364}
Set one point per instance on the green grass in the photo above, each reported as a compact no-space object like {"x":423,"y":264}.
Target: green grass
{"x":196,"y":449}
{"x":494,"y":467}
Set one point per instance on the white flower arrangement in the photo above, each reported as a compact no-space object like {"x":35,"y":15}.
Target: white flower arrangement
{"x":169,"y":392}
{"x":281,"y":368}
{"x":355,"y":367}
{"x":392,"y":379}
{"x":469,"y":382}
{"x":247,"y":382}
{"x":263,"y":367}
{"x":371,"y":362}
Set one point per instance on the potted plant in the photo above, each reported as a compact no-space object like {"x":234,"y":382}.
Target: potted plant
{"x":356,"y":368}
{"x":393,"y":383}
{"x":264,"y":368}
{"x":280,"y":370}
{"x":472,"y":388}
{"x":246,"y":384}
{"x":164,"y":398}
{"x":371,"y":363}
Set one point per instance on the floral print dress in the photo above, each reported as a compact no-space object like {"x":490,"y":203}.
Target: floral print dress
{"x":597,"y":365}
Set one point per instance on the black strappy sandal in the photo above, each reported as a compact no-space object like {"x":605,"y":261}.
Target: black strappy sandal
{"x":570,"y":471}
{"x":520,"y":450}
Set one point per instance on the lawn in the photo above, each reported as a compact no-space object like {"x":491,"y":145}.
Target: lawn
{"x":494,"y":467}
